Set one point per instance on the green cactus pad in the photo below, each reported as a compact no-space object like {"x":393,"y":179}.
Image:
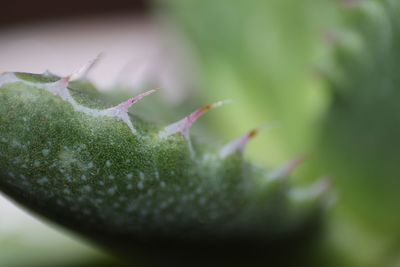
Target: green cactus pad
{"x":123,"y":181}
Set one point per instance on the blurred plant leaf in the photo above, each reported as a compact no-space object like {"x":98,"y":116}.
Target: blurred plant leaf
{"x":260,"y":54}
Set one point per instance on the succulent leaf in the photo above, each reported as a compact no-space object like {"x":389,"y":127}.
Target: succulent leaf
{"x":124,"y":181}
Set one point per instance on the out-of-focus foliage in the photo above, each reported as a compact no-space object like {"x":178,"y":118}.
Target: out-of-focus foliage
{"x":360,"y":140}
{"x":359,"y":144}
{"x":260,"y":54}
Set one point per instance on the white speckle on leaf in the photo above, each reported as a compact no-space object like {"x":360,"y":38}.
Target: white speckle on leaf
{"x":111,"y":191}
{"x":87,"y":189}
{"x":163,"y":184}
{"x":45,"y":152}
{"x":67,"y":191}
{"x":163,"y":205}
{"x":202,"y":201}
{"x":86,"y":211}
{"x":150,"y":192}
{"x":140,"y":185}
{"x":16,"y":143}
{"x":43,"y":180}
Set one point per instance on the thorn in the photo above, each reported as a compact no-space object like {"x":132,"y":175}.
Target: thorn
{"x":203,"y":110}
{"x":317,"y":191}
{"x":320,"y":187}
{"x":183,"y":126}
{"x":47,"y":73}
{"x":239,"y":144}
{"x":121,"y":111}
{"x":84,"y":70}
{"x":63,"y":82}
{"x":127,"y":104}
{"x":59,"y":87}
{"x":288,"y":168}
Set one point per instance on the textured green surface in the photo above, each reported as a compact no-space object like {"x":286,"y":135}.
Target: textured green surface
{"x":93,"y":174}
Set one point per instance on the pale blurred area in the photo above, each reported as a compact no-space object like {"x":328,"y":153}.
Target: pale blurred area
{"x":132,"y":52}
{"x":25,"y":240}
{"x":135,"y":53}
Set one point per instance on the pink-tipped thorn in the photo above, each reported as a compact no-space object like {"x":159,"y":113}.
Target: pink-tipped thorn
{"x":127,"y":104}
{"x":183,"y":126}
{"x":83,"y":71}
{"x":121,"y":111}
{"x":64,"y":81}
{"x":60,"y":87}
{"x":288,"y":168}
{"x":203,"y":110}
{"x":239,"y":144}
{"x":322,"y":186}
